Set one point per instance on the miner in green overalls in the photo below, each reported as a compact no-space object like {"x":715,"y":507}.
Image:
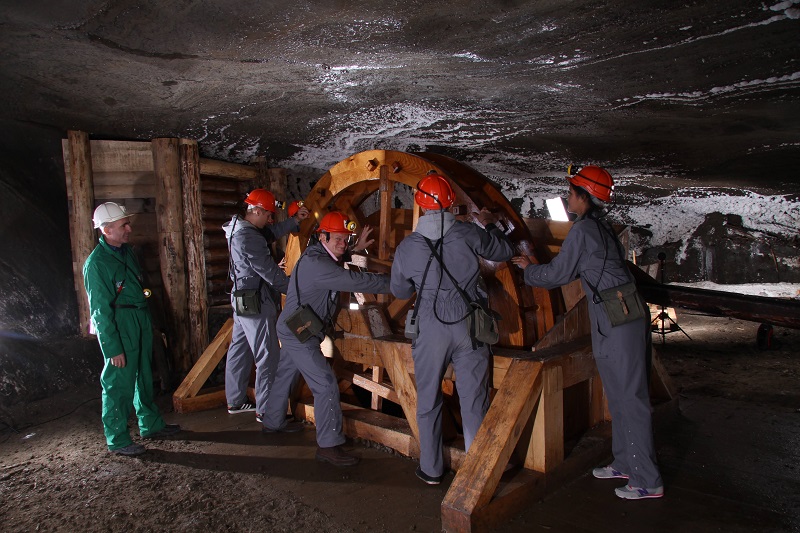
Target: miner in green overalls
{"x":121,"y":319}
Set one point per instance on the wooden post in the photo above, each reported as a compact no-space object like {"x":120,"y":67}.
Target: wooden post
{"x":193,"y":241}
{"x":80,"y":217}
{"x":169,"y":218}
{"x":547,"y":441}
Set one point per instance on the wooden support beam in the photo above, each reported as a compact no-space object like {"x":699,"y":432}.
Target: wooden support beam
{"x":783,"y":312}
{"x":197,"y":307}
{"x":169,"y":211}
{"x":78,"y":161}
{"x":223,"y":169}
{"x":546,"y":450}
{"x":201,"y":371}
{"x":377,"y":387}
{"x":394,"y":362}
{"x":479,"y":475}
{"x":377,"y":399}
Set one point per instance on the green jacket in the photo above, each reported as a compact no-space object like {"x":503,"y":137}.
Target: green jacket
{"x":113,"y":282}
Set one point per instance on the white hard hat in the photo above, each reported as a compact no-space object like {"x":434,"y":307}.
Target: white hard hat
{"x":108,"y":212}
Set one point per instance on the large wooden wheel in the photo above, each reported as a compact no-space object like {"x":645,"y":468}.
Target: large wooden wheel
{"x":365,"y":186}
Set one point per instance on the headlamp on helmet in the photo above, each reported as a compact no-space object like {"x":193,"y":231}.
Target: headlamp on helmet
{"x":336,"y":222}
{"x":261,"y":198}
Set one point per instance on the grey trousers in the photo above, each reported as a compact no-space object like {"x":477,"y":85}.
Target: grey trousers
{"x":435,"y":348}
{"x":253,"y":340}
{"x":307,"y":360}
{"x":625,"y":380}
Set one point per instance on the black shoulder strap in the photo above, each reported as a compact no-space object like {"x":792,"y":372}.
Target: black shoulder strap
{"x":463,"y":294}
{"x":603,"y":229}
{"x":422,"y":284}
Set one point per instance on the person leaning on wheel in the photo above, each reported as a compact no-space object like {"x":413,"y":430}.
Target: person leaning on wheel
{"x":121,"y":319}
{"x":592,"y":252}
{"x":313,"y":298}
{"x":444,"y":334}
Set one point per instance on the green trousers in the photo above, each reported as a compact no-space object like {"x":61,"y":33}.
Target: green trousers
{"x":131,"y":385}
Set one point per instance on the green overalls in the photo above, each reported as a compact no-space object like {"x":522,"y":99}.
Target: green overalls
{"x":122,"y":321}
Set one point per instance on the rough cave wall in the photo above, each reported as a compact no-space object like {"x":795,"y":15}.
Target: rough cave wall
{"x":40,"y":352}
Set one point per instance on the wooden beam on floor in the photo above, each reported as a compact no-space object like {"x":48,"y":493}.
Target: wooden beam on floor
{"x":182,"y":399}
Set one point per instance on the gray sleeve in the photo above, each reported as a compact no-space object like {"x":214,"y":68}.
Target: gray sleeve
{"x":279,"y":229}
{"x":255,"y":252}
{"x":402,"y":286}
{"x":335,"y":278}
{"x":493,"y":244}
{"x":563,"y":268}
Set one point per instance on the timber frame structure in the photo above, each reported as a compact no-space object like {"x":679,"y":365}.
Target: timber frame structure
{"x":548,"y":417}
{"x":179,"y":201}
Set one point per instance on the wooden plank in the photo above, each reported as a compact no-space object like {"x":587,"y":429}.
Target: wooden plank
{"x":121,"y":156}
{"x":205,"y":365}
{"x":223,"y":169}
{"x":202,"y":402}
{"x":776,"y":311}
{"x":546,"y":450}
{"x":379,"y":388}
{"x":197,"y":298}
{"x":479,"y":475}
{"x":371,"y":425}
{"x":386,"y":190}
{"x":661,"y":386}
{"x":377,"y":399}
{"x":394,"y":363}
{"x":397,"y":308}
{"x":78,"y":161}
{"x":169,"y":209}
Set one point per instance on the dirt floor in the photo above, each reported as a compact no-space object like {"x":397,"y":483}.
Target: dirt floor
{"x":56,"y":475}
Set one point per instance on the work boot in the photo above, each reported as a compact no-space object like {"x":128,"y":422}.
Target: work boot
{"x":167,"y":431}
{"x":291,"y":426}
{"x":130,"y":450}
{"x":336,"y":456}
{"x":430,"y":480}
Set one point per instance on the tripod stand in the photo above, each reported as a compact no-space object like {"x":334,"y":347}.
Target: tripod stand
{"x":663,"y":324}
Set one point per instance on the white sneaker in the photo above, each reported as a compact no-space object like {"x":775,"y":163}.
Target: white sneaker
{"x":638,"y":493}
{"x":607,"y":472}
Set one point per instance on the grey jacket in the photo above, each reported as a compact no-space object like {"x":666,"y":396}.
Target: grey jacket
{"x":250,"y":254}
{"x":589,"y":252}
{"x":463,"y":244}
{"x":319,"y":279}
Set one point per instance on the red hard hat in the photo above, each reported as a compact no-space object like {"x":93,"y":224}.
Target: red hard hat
{"x":433,"y":187}
{"x":261,"y":198}
{"x":595,"y":180}
{"x":336,"y":222}
{"x":294,"y":207}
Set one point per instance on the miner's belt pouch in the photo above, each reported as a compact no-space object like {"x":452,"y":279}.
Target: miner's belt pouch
{"x":412,"y":326}
{"x":622,"y":304}
{"x":247,"y":302}
{"x":482,"y":325}
{"x":304,"y":323}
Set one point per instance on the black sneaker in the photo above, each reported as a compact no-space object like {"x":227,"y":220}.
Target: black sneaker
{"x":130,"y":450}
{"x":245,"y":407}
{"x":167,"y":431}
{"x":430,"y":480}
{"x":259,"y":417}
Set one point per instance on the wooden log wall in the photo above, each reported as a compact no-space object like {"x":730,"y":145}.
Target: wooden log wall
{"x":179,"y":202}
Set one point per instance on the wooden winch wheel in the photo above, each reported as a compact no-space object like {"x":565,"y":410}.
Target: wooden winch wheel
{"x":527,"y":313}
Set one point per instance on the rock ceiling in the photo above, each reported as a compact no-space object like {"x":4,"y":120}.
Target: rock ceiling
{"x":691,"y":91}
